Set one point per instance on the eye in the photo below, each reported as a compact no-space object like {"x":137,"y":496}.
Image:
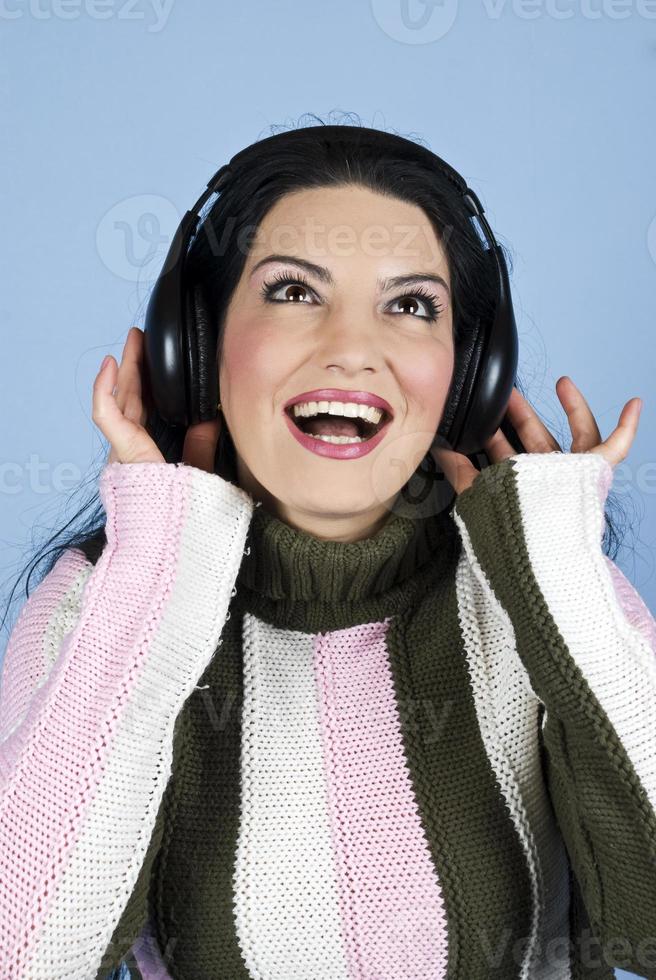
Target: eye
{"x":427,"y":300}
{"x":281,"y":279}
{"x":272,"y":286}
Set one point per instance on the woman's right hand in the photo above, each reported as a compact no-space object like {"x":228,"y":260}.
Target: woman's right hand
{"x":119,"y":413}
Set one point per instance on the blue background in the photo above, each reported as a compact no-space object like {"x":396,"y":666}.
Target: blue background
{"x":114,"y":116}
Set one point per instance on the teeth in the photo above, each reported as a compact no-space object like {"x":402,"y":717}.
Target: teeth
{"x":345,"y":409}
{"x":338,"y":440}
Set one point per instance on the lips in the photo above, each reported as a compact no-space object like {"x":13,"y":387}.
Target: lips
{"x":344,"y":451}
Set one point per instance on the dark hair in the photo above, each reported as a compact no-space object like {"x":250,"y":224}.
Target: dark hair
{"x":218,"y":254}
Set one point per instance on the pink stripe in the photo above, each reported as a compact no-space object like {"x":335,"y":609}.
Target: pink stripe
{"x":393,"y":914}
{"x":631,"y":602}
{"x":53,"y":764}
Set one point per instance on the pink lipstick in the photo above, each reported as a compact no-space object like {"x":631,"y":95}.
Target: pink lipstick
{"x":352,"y":450}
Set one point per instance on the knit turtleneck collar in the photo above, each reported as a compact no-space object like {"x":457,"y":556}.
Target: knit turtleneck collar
{"x":292,"y":579}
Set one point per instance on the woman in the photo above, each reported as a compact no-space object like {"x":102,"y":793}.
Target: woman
{"x":264,"y":722}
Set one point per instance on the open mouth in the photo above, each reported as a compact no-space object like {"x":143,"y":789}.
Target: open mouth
{"x":328,"y":427}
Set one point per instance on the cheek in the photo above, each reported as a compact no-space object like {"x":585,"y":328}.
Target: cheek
{"x":250,"y":369}
{"x":235,"y":375}
{"x":427,"y":382}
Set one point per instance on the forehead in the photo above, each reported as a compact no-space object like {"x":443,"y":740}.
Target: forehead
{"x":325,"y":223}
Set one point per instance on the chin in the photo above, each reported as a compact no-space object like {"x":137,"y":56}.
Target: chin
{"x":333,"y":504}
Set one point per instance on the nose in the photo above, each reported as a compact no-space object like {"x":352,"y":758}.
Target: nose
{"x":351,"y":341}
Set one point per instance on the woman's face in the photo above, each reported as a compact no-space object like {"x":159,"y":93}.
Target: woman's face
{"x":339,"y":323}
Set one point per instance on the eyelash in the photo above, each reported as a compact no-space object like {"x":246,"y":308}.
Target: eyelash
{"x":279,"y":280}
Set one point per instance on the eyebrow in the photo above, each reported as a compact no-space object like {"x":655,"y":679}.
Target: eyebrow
{"x":324,"y":275}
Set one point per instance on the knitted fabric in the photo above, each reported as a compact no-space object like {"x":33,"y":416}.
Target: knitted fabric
{"x":427,"y":754}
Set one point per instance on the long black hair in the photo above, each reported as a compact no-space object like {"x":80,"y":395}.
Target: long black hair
{"x":214,"y":265}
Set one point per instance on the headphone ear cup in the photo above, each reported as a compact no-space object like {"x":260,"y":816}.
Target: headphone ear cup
{"x":466,"y":360}
{"x":202,"y":348}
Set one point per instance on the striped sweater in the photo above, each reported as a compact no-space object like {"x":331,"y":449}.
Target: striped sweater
{"x":231,"y":750}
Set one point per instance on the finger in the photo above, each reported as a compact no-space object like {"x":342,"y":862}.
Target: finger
{"x":533,"y":433}
{"x":129,"y":386}
{"x":140,"y":391}
{"x":498,"y":447}
{"x":107,"y":415}
{"x":200,"y":444}
{"x":582,"y":423}
{"x":131,"y":358}
{"x":616,"y":447}
{"x":458,"y":468}
{"x":443,"y":455}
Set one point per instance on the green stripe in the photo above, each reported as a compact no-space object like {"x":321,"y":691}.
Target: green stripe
{"x":193,"y":891}
{"x":473,"y":842}
{"x":587,"y":960}
{"x":607,"y":823}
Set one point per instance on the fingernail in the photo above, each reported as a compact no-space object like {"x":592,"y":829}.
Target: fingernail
{"x":104,"y":362}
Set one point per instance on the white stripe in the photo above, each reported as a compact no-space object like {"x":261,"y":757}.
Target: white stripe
{"x":61,"y":621}
{"x":65,"y":617}
{"x":110,"y":851}
{"x":507,"y":713}
{"x":572,"y":572}
{"x":287,"y":909}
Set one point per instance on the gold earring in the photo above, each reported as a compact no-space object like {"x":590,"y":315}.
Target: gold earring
{"x":219,"y":406}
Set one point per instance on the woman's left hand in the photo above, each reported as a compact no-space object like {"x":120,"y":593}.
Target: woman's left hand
{"x":536,"y":438}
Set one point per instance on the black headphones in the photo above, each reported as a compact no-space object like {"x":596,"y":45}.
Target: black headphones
{"x":485,"y":365}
